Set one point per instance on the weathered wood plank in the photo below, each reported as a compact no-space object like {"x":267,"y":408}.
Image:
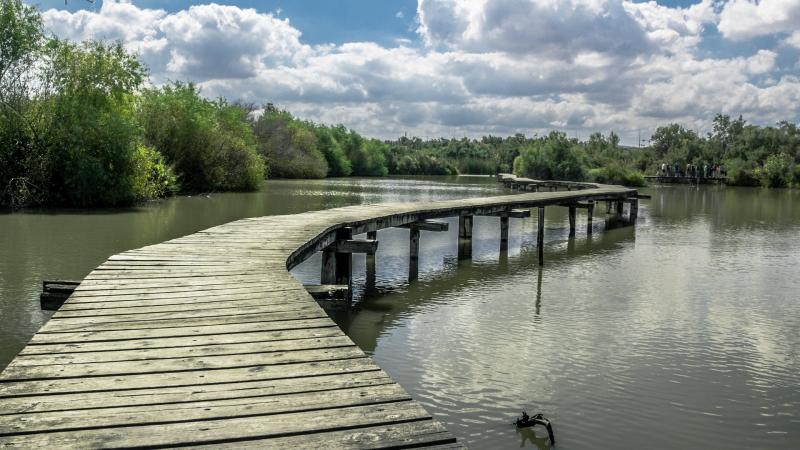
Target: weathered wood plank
{"x":16,"y":371}
{"x":130,"y":415}
{"x":226,"y":430}
{"x":197,"y":379}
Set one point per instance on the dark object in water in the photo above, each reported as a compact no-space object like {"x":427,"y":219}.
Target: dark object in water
{"x":538,"y":419}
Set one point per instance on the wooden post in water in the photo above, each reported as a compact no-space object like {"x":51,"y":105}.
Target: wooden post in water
{"x":572,"y":221}
{"x":413,"y":253}
{"x":371,"y":235}
{"x":504,"y":233}
{"x":620,"y":205}
{"x":344,"y":261}
{"x":465,"y":227}
{"x":633,"y":211}
{"x":337,"y":265}
{"x":540,"y":236}
{"x":589,"y":212}
{"x":464,"y":237}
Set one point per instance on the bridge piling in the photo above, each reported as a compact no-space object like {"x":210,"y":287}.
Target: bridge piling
{"x":503,"y":233}
{"x":370,"y":263}
{"x":413,"y":253}
{"x":572,"y":221}
{"x":540,"y":236}
{"x":464,"y":236}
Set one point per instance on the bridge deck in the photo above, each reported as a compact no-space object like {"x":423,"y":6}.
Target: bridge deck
{"x":208,"y":340}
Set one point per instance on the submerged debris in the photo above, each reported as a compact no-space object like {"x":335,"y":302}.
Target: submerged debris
{"x":538,"y":419}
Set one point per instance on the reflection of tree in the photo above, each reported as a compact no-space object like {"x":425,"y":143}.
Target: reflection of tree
{"x":726,"y":208}
{"x":380,"y":309}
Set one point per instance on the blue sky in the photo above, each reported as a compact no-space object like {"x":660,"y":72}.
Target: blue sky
{"x":469,"y":67}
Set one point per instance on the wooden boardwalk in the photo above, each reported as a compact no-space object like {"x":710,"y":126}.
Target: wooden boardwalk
{"x":207,"y":340}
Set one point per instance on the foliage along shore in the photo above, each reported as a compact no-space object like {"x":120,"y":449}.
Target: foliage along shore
{"x":79,"y":126}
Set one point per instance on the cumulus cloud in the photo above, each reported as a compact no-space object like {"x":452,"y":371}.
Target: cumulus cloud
{"x":480,"y":66}
{"x":745,"y":19}
{"x":542,"y":27}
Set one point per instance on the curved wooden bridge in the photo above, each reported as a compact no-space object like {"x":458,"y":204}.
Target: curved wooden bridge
{"x":208,"y":340}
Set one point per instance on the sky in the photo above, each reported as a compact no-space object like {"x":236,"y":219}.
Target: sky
{"x":453,"y":68}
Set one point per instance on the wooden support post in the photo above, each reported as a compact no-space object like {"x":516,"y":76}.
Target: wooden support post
{"x":503,"y":233}
{"x":413,"y":253}
{"x":620,"y":205}
{"x":590,"y":213}
{"x":540,"y":236}
{"x":608,"y":206}
{"x":633,"y":212}
{"x":344,"y":261}
{"x":572,"y":221}
{"x":337,"y":267}
{"x":370,"y":263}
{"x":328,"y":267}
{"x":464,"y":237}
{"x":465,"y":227}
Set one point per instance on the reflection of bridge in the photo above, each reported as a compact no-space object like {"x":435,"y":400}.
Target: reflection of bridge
{"x":208,"y":340}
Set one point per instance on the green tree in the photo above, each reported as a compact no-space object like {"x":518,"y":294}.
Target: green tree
{"x":210,"y":143}
{"x":288,"y":145}
{"x":22,"y":44}
{"x":92,"y":135}
{"x":554,"y":157}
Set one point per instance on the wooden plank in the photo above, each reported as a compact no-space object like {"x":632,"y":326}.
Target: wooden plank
{"x":102,"y":317}
{"x":310,"y":311}
{"x":16,"y":371}
{"x":423,"y":433}
{"x":254,"y":405}
{"x":25,"y":360}
{"x":193,"y":393}
{"x":227,"y":430}
{"x":178,"y":331}
{"x":325,"y":330}
{"x":197,"y":379}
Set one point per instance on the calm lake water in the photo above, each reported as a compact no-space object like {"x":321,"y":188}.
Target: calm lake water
{"x":683,"y":332}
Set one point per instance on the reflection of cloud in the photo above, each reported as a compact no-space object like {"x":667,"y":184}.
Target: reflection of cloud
{"x":487,"y":67}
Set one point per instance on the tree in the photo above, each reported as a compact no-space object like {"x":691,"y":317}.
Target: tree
{"x":210,"y":143}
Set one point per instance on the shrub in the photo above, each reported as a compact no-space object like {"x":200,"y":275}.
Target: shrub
{"x":616,"y":174}
{"x":741,"y":172}
{"x":210,"y":144}
{"x":289,"y":146}
{"x":776,"y":171}
{"x":552,"y":158}
{"x":92,"y":133}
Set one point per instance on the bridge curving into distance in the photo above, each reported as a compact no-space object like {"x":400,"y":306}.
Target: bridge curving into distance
{"x":207,"y":339}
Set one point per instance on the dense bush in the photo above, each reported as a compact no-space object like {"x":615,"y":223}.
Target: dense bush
{"x":338,"y":164}
{"x":288,"y":146}
{"x":210,"y":143}
{"x":554,"y":157}
{"x":616,"y":174}
{"x":777,"y":171}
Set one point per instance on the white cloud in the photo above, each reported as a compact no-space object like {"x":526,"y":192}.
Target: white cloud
{"x":745,"y":19}
{"x":499,"y":66}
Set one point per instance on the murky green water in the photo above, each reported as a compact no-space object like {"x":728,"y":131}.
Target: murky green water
{"x":681,"y":333}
